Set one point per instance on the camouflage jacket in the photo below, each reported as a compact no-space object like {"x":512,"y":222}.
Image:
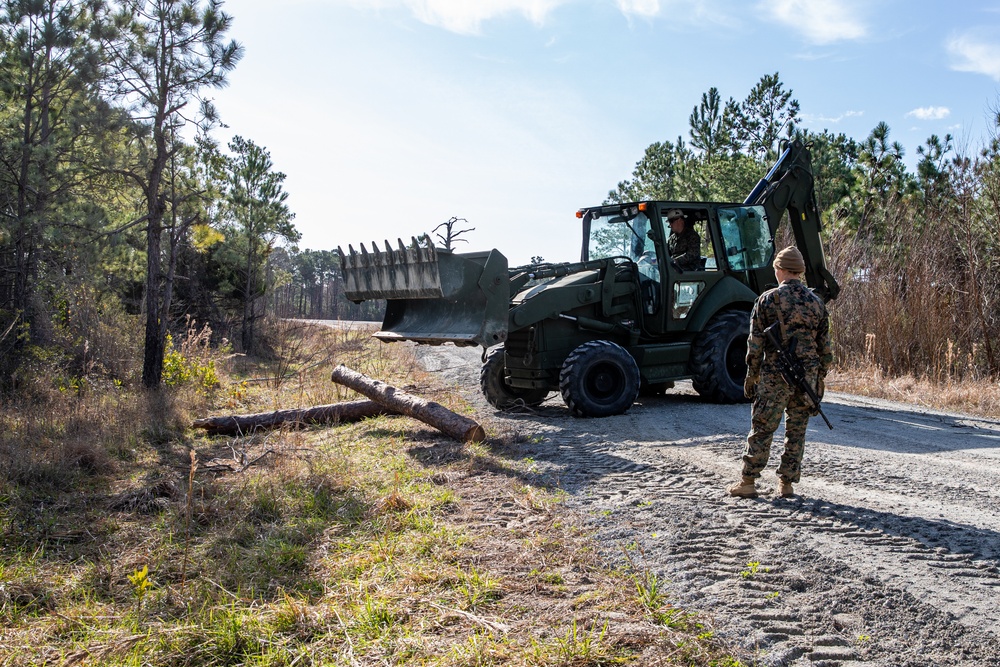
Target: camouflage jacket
{"x":803,"y":315}
{"x":685,"y":249}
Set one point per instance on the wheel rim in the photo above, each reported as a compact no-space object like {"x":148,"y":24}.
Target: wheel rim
{"x":736,"y":359}
{"x":604,"y":382}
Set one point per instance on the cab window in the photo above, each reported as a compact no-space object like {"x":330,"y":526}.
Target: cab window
{"x":703,"y":258}
{"x":746,"y":237}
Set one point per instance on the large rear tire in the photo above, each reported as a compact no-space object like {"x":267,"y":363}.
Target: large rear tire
{"x":718,"y":358}
{"x":599,"y":379}
{"x":498,"y":393}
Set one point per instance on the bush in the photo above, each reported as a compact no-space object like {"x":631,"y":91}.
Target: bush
{"x":193,"y":362}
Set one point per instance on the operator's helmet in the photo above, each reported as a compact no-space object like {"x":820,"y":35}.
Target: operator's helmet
{"x":675,"y":213}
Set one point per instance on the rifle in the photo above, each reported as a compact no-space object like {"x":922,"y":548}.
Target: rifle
{"x":791,"y":368}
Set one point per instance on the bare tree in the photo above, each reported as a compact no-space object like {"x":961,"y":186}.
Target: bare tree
{"x":450,"y":235}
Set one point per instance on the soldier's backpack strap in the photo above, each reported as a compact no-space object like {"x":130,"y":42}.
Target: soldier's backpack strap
{"x":781,"y":320}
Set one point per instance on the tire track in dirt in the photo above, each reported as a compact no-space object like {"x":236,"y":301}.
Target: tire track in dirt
{"x":797,"y":603}
{"x":890,"y":557}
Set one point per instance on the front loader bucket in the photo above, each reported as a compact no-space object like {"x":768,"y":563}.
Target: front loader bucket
{"x":433,"y":296}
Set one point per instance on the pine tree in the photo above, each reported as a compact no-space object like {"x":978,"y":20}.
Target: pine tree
{"x":164,"y":54}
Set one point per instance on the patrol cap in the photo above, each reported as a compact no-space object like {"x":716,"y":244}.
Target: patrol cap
{"x":675,"y":213}
{"x":790,"y":259}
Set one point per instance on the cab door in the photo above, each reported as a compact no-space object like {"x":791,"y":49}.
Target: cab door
{"x":684,"y":287}
{"x":747,"y":244}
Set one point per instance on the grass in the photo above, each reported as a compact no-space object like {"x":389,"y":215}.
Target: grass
{"x":979,"y":397}
{"x":128,"y":539}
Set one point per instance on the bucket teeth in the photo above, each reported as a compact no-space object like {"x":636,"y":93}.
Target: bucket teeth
{"x":409,"y":272}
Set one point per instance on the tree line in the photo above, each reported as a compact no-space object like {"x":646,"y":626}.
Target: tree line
{"x":112,"y":191}
{"x":122,"y":219}
{"x":917,"y":253}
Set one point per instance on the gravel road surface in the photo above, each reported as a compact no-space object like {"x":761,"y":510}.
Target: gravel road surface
{"x":889,"y":556}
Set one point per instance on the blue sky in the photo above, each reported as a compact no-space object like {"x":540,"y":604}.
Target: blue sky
{"x":390,"y":116}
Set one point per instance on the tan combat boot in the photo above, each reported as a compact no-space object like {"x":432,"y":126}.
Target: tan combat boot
{"x":745,"y":489}
{"x":785,"y":489}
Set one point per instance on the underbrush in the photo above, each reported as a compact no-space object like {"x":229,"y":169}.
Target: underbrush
{"x":968,"y":396}
{"x":126,"y":538}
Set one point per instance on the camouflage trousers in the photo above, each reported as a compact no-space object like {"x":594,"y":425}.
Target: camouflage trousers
{"x":774,"y":399}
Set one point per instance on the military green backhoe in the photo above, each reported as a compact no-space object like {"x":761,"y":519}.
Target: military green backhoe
{"x":625,"y":318}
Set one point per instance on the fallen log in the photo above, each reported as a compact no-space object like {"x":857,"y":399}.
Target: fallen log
{"x":336,"y":413}
{"x":451,"y":424}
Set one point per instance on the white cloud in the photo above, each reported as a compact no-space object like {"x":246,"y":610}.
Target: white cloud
{"x":467,"y":16}
{"x":976,"y":51}
{"x":647,"y":8}
{"x":813,"y":118}
{"x":701,"y":13}
{"x":820,"y":21}
{"x":929,"y":113}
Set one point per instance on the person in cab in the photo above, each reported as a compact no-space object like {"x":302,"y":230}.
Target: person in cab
{"x":683,"y":244}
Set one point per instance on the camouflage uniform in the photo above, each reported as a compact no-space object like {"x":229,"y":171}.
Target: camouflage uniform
{"x":802,"y":316}
{"x":685,"y":249}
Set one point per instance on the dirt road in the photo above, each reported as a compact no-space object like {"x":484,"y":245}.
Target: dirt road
{"x":890,"y":555}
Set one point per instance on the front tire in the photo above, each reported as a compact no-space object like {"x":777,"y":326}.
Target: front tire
{"x":599,"y":379}
{"x":718,"y":358}
{"x":497,"y":392}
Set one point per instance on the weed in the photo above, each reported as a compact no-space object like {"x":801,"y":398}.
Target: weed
{"x":188,"y":509}
{"x":373,"y":616}
{"x":752,"y":569}
{"x":650,"y":590}
{"x":230,"y":636}
{"x":480,"y":649}
{"x":385,"y":546}
{"x":727,"y":661}
{"x":140,"y":583}
{"x":477,"y":589}
{"x":648,"y":585}
{"x":675,"y":618}
{"x":552,"y":578}
{"x":579,"y":646}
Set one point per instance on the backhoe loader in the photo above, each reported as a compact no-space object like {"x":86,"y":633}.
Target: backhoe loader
{"x":622,"y":320}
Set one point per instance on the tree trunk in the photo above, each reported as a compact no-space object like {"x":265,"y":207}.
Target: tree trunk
{"x":156,"y":301}
{"x":152,"y":357}
{"x":336,"y":413}
{"x":248,"y":299}
{"x":458,"y":427}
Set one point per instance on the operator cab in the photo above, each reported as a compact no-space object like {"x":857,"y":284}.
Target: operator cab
{"x":674,"y":275}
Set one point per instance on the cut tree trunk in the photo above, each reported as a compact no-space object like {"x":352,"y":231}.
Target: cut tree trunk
{"x":351,"y":411}
{"x":451,"y":424}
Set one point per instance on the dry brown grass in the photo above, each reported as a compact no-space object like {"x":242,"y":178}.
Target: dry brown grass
{"x":375,"y":543}
{"x":917,"y":300}
{"x":974,"y":397}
